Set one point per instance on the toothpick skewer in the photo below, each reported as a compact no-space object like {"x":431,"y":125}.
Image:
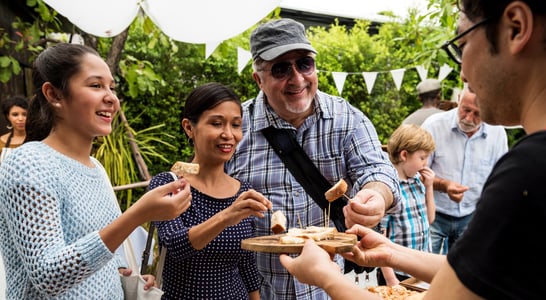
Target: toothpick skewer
{"x":335,"y":192}
{"x":328,"y":217}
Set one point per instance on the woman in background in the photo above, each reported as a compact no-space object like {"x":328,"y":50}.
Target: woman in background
{"x":15,"y":110}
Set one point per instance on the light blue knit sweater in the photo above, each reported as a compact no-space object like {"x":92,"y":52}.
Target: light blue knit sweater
{"x":51,"y":209}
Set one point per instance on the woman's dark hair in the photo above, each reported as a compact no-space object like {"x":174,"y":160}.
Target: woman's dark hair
{"x":205,"y":97}
{"x":56,"y":65}
{"x":16,"y":100}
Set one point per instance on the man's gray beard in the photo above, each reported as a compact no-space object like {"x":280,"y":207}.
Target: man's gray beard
{"x":467,"y":129}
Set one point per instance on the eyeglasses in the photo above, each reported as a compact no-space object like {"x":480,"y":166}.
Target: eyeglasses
{"x":283,"y":69}
{"x":455,"y":51}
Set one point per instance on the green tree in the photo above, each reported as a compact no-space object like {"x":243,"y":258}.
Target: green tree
{"x":397,"y":45}
{"x":28,"y":40}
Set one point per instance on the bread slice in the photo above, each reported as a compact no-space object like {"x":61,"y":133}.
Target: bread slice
{"x":278,"y":222}
{"x":181,"y":168}
{"x":336,"y":191}
{"x":313,"y":232}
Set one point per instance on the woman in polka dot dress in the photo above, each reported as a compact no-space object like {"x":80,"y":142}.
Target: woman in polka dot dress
{"x":204,"y":256}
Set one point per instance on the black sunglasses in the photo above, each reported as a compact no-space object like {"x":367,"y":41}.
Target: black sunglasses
{"x":455,"y":51}
{"x":281,"y":70}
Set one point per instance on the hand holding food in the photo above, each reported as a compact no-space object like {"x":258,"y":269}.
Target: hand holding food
{"x":164,"y":202}
{"x":248,"y":203}
{"x":366,"y":208}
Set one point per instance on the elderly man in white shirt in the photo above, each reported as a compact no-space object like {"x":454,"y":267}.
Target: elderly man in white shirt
{"x":466,"y":151}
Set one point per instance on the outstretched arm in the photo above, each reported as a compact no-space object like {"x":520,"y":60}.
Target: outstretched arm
{"x":314,"y":266}
{"x":376,"y":250}
{"x":249,"y":203}
{"x":162,"y":203}
{"x":369,"y":205}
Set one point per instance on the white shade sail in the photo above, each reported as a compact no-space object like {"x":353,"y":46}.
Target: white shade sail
{"x":196,"y":22}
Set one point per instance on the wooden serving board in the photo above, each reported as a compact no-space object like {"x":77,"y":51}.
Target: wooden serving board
{"x":415,"y":284}
{"x":339,"y":243}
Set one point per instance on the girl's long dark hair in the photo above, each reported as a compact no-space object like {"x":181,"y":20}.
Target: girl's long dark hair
{"x":56,"y":65}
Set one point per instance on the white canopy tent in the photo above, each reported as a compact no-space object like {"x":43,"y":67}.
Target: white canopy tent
{"x":210,"y":21}
{"x":201,"y":21}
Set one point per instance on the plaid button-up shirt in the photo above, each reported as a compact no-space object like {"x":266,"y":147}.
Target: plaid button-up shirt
{"x":410,"y":228}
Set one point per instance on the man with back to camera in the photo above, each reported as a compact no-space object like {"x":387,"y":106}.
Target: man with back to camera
{"x":429,"y":92}
{"x":338,"y":138}
{"x":466,"y":151}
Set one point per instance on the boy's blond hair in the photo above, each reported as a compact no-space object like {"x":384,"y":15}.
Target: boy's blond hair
{"x":409,"y":137}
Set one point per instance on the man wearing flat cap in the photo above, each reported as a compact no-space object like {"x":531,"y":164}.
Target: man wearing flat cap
{"x":429,"y":92}
{"x":338,"y":138}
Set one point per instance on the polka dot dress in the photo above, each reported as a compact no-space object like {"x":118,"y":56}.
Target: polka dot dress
{"x":221,"y":270}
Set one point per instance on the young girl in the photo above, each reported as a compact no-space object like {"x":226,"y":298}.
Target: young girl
{"x":204,"y":256}
{"x":58,"y":212}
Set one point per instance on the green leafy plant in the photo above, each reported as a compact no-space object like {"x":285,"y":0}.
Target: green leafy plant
{"x":114,"y":152}
{"x":25,"y":40}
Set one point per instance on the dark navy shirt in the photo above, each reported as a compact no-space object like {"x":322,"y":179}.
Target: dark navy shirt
{"x":221,"y":270}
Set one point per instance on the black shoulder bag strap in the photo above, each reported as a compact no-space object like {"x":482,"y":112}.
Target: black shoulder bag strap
{"x":283,"y":141}
{"x":304,"y":170}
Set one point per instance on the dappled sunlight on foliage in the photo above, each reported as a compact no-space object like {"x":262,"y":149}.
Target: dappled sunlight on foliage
{"x":114,"y":153}
{"x":156,"y":74}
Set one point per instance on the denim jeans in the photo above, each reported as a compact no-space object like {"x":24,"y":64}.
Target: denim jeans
{"x":445,"y":230}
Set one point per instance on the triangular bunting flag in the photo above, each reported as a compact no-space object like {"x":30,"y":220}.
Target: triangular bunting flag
{"x":210,"y":47}
{"x":422,"y":72}
{"x":369,"y":78}
{"x":243,"y":57}
{"x":444,"y":71}
{"x":339,"y":79}
{"x":397,"y":76}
